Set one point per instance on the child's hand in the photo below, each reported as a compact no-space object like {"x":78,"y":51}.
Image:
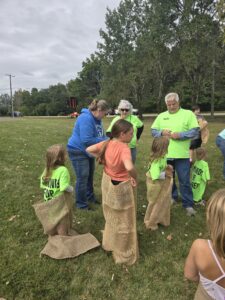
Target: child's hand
{"x":133,"y":182}
{"x":69,"y":189}
{"x":169,"y":171}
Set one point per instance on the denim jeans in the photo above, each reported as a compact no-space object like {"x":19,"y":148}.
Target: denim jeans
{"x":84,"y":167}
{"x":220,"y":143}
{"x":133,"y":154}
{"x":182,"y":167}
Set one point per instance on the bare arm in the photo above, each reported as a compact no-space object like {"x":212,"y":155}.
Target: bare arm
{"x":202,"y":124}
{"x":129,"y":166}
{"x":191,"y":271}
{"x":93,"y":150}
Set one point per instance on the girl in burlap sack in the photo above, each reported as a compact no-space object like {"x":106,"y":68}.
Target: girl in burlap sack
{"x":205,"y":263}
{"x":159,"y":184}
{"x":55,"y":179}
{"x":118,"y":195}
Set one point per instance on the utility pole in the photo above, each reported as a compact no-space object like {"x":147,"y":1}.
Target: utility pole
{"x":10,"y":84}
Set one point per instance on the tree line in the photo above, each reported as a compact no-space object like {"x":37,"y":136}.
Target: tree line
{"x":148,"y":48}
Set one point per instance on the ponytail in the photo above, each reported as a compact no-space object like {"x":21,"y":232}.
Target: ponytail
{"x":98,"y":105}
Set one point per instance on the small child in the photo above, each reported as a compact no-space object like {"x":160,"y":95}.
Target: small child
{"x":55,"y":179}
{"x":159,"y":185}
{"x":200,"y":176}
{"x":203,"y":135}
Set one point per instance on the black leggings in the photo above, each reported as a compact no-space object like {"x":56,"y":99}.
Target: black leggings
{"x":115,"y":182}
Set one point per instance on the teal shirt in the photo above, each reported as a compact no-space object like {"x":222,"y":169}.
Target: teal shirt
{"x":222,"y":134}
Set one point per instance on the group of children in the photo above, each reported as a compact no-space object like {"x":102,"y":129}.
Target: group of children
{"x":56,"y":179}
{"x":119,"y":204}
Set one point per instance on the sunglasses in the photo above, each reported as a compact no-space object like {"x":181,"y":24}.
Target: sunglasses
{"x":124,"y":109}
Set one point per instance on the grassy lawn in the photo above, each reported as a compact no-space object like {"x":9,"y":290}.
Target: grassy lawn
{"x":25,"y":275}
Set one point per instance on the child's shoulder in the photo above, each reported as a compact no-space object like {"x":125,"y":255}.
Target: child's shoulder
{"x":61,"y":169}
{"x":203,"y":162}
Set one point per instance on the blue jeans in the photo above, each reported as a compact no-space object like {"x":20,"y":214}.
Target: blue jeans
{"x":84,"y":167}
{"x":182,"y":167}
{"x":133,"y":154}
{"x":220,"y":143}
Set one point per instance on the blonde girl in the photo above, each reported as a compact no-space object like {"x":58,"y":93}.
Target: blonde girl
{"x":55,"y":179}
{"x":159,"y":180}
{"x":205,"y":263}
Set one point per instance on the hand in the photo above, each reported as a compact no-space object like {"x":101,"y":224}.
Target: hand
{"x":69,"y":189}
{"x":169,"y":171}
{"x":175,"y":135}
{"x":133,"y":182}
{"x":166,"y":132}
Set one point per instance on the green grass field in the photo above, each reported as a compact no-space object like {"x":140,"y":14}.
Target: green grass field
{"x":25,"y":275}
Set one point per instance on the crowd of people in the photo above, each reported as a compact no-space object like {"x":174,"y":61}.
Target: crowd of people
{"x":176,"y":149}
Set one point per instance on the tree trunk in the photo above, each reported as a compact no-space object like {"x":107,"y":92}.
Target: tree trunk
{"x":213,"y":88}
{"x":160,"y":96}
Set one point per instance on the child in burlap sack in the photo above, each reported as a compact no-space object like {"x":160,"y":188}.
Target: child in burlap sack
{"x":55,"y":180}
{"x":118,"y":193}
{"x":159,"y":184}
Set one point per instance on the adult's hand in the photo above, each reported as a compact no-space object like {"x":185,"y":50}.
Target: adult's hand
{"x":166,"y":132}
{"x":175,"y":136}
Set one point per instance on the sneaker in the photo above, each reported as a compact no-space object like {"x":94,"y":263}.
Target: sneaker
{"x":201,"y":202}
{"x":86,"y":208}
{"x":190,"y":211}
{"x":173,"y":201}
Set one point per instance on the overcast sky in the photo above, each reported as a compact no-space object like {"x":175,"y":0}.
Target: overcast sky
{"x":43,"y":42}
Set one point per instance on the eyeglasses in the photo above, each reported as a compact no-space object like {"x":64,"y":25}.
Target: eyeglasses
{"x":124,"y":109}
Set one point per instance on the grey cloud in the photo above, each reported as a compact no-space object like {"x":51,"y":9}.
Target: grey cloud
{"x":45,"y":42}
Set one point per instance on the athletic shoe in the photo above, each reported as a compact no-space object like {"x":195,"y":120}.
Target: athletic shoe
{"x":190,"y":211}
{"x":173,"y":201}
{"x":201,"y":202}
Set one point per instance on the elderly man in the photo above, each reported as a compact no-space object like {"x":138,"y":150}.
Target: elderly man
{"x":180,"y":126}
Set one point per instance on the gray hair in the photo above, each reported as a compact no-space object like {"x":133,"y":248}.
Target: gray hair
{"x":125,"y":104}
{"x":98,"y":105}
{"x":172,"y":95}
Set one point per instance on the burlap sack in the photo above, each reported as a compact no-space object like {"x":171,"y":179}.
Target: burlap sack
{"x":159,"y":198}
{"x":204,"y":130}
{"x":120,"y":233}
{"x":201,"y":294}
{"x":60,"y":247}
{"x":59,"y":211}
{"x":51,"y":213}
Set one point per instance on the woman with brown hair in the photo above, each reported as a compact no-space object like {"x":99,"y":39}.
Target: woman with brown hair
{"x":87,"y":131}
